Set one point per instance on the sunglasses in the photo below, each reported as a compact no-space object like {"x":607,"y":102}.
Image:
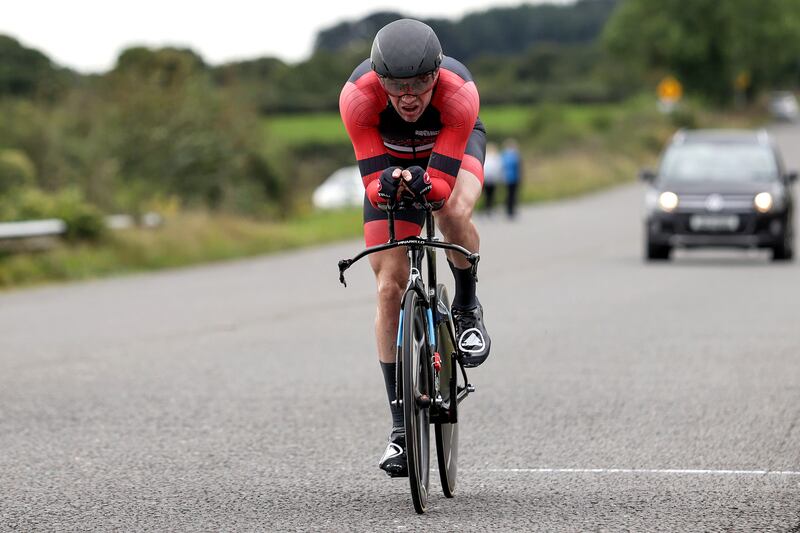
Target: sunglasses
{"x":415,"y":86}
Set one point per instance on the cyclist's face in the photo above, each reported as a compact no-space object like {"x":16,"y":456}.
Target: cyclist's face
{"x":411,"y":107}
{"x":410,"y":96}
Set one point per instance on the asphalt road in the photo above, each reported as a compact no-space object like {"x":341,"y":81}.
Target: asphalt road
{"x":247,"y":396}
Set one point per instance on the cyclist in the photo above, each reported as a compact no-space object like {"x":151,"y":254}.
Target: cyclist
{"x":412,"y":116}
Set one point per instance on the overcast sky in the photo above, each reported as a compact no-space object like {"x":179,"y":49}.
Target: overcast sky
{"x":87,"y":35}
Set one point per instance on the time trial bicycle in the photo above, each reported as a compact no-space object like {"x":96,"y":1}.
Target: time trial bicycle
{"x":431,"y":379}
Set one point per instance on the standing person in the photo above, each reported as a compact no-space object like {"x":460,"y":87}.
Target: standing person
{"x":512,"y":168}
{"x":412,"y":116}
{"x":492,"y":175}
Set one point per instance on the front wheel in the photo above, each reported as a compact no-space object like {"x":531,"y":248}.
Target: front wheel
{"x":415,"y":372}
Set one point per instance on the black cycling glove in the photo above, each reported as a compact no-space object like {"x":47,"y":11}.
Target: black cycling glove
{"x":388,"y":185}
{"x":420,"y":182}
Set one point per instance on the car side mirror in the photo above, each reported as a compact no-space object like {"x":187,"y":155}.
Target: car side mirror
{"x":647,"y":174}
{"x":791,"y":176}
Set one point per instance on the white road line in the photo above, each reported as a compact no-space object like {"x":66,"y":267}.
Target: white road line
{"x":648,"y":471}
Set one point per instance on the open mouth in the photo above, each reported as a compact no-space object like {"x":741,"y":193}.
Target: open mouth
{"x":409,"y":109}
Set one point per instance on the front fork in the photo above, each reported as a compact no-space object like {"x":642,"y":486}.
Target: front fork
{"x":457,"y":393}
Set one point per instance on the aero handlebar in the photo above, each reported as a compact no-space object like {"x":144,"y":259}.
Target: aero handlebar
{"x":471,"y":257}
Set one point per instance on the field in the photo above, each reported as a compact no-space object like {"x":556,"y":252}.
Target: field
{"x":500,"y":121}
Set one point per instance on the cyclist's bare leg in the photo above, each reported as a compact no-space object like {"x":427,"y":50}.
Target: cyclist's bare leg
{"x":391,"y":275}
{"x":455,"y":218}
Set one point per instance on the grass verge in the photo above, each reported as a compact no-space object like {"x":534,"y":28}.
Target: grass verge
{"x":185,"y":239}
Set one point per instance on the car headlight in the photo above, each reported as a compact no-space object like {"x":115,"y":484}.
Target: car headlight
{"x":668,"y":201}
{"x":763,"y":202}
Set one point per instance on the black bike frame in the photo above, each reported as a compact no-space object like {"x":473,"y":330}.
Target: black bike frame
{"x":417,"y":247}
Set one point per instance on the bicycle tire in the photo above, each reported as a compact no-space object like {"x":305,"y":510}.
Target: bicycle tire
{"x":416,"y":382}
{"x":447,"y":433}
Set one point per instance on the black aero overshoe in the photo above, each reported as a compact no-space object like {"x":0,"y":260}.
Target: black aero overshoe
{"x":394,"y":460}
{"x":472,"y":340}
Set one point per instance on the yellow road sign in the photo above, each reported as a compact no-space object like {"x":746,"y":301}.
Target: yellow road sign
{"x":670,"y":89}
{"x":742,"y":81}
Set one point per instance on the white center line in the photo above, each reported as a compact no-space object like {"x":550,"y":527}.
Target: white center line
{"x":649,"y":471}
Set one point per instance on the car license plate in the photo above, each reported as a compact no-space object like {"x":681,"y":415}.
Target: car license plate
{"x":714,"y":222}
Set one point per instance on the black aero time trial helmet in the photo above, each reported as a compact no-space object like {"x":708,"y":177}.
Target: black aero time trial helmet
{"x":405,"y":48}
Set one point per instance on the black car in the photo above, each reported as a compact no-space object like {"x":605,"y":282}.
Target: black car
{"x":719,"y":188}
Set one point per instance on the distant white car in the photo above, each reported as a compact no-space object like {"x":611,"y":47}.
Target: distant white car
{"x":783,"y":106}
{"x":343,"y":188}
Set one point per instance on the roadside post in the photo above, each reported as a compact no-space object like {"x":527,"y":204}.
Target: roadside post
{"x":741,"y":85}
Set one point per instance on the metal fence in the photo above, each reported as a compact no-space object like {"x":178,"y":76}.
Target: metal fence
{"x":54,"y":227}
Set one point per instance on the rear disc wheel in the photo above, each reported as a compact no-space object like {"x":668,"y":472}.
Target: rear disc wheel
{"x":447,"y":433}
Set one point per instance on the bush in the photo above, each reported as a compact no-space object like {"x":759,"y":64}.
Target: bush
{"x":545,"y":118}
{"x":84,"y":221}
{"x":16,"y":170}
{"x":684,"y":117}
{"x":601,"y":122}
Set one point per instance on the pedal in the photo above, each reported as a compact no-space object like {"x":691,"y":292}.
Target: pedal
{"x":470,"y":388}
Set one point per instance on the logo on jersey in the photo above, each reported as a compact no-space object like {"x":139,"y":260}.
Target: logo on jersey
{"x":427,"y":133}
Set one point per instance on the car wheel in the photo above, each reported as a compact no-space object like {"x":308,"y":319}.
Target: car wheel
{"x":785,"y":250}
{"x":657,"y":252}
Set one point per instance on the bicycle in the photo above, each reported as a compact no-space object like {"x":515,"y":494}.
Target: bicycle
{"x":426,"y":358}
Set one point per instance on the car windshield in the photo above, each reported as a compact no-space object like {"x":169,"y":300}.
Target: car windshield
{"x":719,"y":162}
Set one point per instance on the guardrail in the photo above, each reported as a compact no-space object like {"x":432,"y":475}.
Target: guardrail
{"x":53,"y":227}
{"x":32,"y":228}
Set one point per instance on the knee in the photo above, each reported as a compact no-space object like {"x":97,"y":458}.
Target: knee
{"x":456,"y":212}
{"x":390,"y":289}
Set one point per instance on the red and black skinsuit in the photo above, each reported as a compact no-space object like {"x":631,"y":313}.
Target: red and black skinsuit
{"x":448,"y":136}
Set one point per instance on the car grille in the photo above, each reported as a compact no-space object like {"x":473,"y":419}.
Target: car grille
{"x":748,"y":224}
{"x":727,"y":203}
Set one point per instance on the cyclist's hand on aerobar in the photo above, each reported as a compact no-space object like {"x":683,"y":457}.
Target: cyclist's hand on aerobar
{"x":389,"y":184}
{"x":411,"y":184}
{"x":416,"y":183}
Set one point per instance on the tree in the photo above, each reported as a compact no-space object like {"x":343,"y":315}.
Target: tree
{"x":16,"y":170}
{"x":357,"y":34}
{"x":28,"y":73}
{"x":707,"y":44}
{"x":500,"y":31}
{"x":168,"y":131}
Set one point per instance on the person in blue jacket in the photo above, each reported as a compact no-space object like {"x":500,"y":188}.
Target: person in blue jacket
{"x":512,"y":170}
